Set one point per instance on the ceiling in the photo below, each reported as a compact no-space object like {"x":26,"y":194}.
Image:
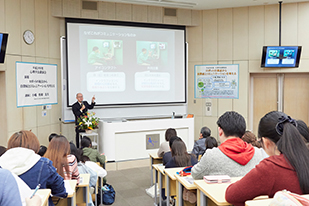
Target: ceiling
{"x":204,"y":4}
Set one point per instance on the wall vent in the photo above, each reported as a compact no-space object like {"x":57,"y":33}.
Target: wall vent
{"x":170,"y":12}
{"x":90,"y":5}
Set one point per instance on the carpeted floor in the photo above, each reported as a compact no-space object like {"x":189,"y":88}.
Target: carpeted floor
{"x":130,"y":185}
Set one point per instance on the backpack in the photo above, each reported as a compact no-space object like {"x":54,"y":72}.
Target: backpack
{"x":109,"y":195}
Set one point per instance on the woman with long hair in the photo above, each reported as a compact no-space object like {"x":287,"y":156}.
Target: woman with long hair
{"x":21,"y":158}
{"x":180,"y":156}
{"x":58,"y":151}
{"x":286,"y":168}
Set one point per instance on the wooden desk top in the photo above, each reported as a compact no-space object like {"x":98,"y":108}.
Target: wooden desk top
{"x":44,"y":194}
{"x":216,"y":192}
{"x":185,"y":183}
{"x":84,"y":180}
{"x":262,"y":202}
{"x":171,"y":172}
{"x":156,"y":166}
{"x":154,"y":155}
{"x":160,"y":168}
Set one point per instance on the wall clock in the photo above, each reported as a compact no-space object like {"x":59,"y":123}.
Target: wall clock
{"x":28,"y":37}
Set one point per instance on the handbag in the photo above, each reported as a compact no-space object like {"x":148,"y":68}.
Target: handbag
{"x":109,"y":195}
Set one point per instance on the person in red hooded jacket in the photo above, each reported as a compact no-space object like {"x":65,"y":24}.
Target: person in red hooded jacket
{"x":233,"y":157}
{"x":286,"y":168}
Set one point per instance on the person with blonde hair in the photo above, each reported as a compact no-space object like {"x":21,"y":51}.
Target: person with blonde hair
{"x":58,"y":151}
{"x":21,"y":158}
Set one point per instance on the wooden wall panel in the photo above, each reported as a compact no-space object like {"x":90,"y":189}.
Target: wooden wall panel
{"x":240,"y":33}
{"x":225,"y":34}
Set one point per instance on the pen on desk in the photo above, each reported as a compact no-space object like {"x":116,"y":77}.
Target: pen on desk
{"x":35,"y":190}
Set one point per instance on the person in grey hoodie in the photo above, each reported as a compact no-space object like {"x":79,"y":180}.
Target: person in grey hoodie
{"x":233,"y":157}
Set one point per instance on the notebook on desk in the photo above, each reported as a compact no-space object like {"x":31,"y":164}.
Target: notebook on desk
{"x":217,"y":179}
{"x":68,"y":187}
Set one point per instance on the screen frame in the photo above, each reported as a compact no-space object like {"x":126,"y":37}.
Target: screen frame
{"x":131,"y":24}
{"x":264,"y":55}
{"x":3,"y":47}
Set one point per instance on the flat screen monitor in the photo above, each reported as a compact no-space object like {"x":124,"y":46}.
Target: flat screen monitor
{"x":281,"y":56}
{"x":3,"y":43}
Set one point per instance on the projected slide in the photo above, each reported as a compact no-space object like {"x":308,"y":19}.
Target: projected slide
{"x":126,"y":64}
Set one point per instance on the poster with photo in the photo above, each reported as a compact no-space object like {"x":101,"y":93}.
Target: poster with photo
{"x":216,"y":81}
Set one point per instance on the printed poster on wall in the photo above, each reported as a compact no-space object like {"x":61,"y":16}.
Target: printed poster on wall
{"x":36,"y":84}
{"x":216,"y":81}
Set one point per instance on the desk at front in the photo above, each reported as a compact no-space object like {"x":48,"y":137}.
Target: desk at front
{"x":130,"y":136}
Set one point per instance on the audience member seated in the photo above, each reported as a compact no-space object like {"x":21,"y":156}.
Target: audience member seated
{"x":42,"y":150}
{"x":180,"y":156}
{"x":164,"y":147}
{"x":83,"y":169}
{"x":199,"y":145}
{"x":210,"y":143}
{"x":24,"y":189}
{"x":168,"y":155}
{"x":94,"y":166}
{"x":93,"y":154}
{"x":250,"y":138}
{"x":58,"y":151}
{"x":51,"y":136}
{"x":233,"y":157}
{"x":22,"y":160}
{"x":287,"y":168}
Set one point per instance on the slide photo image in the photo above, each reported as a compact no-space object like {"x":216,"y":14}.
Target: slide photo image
{"x":273,"y":53}
{"x":151,"y":53}
{"x":104,"y":52}
{"x":288,"y":53}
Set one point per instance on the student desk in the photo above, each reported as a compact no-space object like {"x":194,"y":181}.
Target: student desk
{"x":159,"y":173}
{"x":44,"y":194}
{"x":82,"y":189}
{"x":215,"y":192}
{"x":154,"y":159}
{"x":183,"y":181}
{"x":264,"y":202}
{"x":71,"y":198}
{"x":170,"y":181}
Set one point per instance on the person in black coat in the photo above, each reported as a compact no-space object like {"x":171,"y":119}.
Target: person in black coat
{"x":80,"y":108}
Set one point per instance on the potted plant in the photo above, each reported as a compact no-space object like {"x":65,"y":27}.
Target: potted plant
{"x":88,"y":122}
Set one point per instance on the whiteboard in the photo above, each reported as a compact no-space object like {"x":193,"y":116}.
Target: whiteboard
{"x":116,"y":113}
